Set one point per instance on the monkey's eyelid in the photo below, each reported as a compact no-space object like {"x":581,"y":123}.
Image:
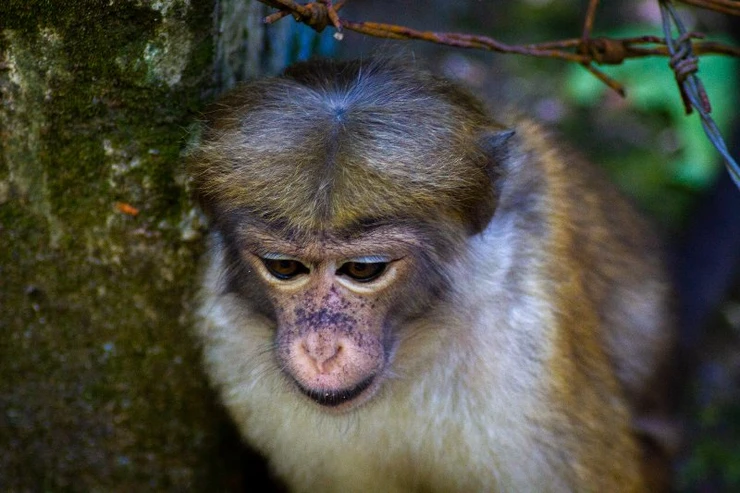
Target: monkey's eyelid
{"x":371,"y":259}
{"x":276,"y":256}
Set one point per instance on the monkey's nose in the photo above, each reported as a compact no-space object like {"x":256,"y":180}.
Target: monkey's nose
{"x":322,"y":350}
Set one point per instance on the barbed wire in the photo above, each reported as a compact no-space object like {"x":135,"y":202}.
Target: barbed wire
{"x":685,"y":65}
{"x":586,"y":50}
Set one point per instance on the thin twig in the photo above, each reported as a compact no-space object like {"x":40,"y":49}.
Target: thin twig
{"x":728,"y":7}
{"x":588,"y":25}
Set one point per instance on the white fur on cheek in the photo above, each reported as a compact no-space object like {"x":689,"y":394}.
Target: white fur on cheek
{"x":430,"y":419}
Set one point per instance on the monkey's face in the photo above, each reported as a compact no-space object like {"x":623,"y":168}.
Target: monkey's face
{"x":335,"y":304}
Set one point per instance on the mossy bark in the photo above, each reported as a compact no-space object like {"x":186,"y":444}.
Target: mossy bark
{"x":100,"y":382}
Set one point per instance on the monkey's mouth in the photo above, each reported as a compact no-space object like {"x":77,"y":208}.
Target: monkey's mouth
{"x":334,"y":398}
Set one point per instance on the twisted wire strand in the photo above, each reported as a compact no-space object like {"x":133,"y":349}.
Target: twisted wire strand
{"x":685,"y":65}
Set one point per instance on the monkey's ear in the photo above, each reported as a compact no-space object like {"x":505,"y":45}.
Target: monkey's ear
{"x":497,"y":138}
{"x":497,"y":143}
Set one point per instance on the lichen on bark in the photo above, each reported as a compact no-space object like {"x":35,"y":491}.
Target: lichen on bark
{"x":100,"y":382}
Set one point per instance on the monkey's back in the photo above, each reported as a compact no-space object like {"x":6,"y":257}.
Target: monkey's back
{"x":610,"y":281}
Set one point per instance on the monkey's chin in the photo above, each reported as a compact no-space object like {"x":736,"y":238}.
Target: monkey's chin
{"x":342,"y":399}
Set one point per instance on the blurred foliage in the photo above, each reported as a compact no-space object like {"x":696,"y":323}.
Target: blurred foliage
{"x":713,"y":411}
{"x":672,"y":159}
{"x":716,"y":453}
{"x":302,"y":43}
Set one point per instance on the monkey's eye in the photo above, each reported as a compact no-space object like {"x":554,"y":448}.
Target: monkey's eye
{"x":363,"y":271}
{"x":284,"y":269}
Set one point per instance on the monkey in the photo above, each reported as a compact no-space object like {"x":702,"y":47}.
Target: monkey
{"x":404,"y":293}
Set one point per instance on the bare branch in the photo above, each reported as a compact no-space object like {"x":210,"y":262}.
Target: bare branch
{"x":728,"y":7}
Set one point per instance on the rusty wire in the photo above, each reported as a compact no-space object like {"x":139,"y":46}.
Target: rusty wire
{"x":685,"y":65}
{"x":586,"y":50}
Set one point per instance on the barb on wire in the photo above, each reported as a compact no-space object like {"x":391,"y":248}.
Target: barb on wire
{"x":685,"y":65}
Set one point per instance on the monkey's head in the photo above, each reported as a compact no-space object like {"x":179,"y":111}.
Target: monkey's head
{"x":340,"y":190}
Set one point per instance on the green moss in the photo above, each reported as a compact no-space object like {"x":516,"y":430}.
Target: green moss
{"x":100,"y":386}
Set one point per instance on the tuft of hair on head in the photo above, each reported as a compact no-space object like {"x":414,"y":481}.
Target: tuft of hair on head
{"x":333,"y":143}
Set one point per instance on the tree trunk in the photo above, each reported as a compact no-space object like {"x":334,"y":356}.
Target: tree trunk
{"x":100,"y":381}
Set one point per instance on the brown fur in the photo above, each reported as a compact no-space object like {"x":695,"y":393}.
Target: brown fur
{"x":322,"y":165}
{"x":515,"y":336}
